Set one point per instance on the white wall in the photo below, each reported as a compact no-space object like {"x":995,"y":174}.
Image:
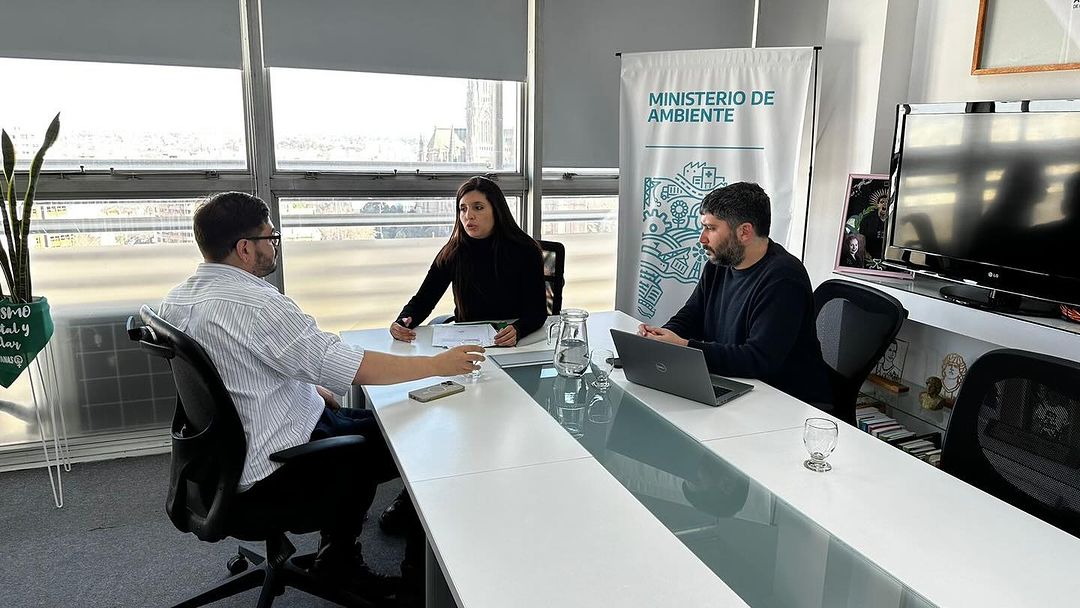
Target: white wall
{"x":863,"y":74}
{"x":941,"y":63}
{"x":791,"y":22}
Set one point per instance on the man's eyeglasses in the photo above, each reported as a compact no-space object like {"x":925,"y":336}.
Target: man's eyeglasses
{"x":274,"y":238}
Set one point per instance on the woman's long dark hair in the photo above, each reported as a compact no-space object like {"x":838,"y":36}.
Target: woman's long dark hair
{"x":506,"y":235}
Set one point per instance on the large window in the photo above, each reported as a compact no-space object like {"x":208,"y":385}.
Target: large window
{"x":98,"y":261}
{"x":124,"y":116}
{"x":333,"y":120}
{"x":353,"y":263}
{"x":348,"y":176}
{"x":84,"y":252}
{"x":588,"y":227}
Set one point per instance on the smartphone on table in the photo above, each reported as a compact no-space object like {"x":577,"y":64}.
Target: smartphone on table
{"x":436,"y":391}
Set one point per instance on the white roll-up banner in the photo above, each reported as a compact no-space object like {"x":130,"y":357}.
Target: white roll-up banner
{"x":690,"y":122}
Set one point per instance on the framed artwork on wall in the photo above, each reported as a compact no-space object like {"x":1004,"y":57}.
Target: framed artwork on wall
{"x":1023,"y":36}
{"x":862,"y":231}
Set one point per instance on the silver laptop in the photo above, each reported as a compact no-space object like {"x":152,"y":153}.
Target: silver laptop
{"x":679,"y":370}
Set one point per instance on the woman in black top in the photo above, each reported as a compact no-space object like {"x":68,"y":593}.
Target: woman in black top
{"x":496,"y":269}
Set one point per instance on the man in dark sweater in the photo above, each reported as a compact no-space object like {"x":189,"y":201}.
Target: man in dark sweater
{"x":752,"y":312}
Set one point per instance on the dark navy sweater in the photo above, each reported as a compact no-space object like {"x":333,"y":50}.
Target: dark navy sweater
{"x":758,"y":323}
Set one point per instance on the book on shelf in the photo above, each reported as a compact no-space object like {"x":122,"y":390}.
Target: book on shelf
{"x":896,"y":435}
{"x":863,"y":413}
{"x":866,"y":424}
{"x":890,"y":433}
{"x":934,"y":438}
{"x":925,"y":447}
{"x":915,"y":445}
{"x":919,"y":451}
{"x":877,"y":427}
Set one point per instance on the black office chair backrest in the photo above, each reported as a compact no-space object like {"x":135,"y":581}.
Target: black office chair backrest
{"x":554,"y":255}
{"x":208,"y":442}
{"x":855,"y":325}
{"x":1015,"y":433}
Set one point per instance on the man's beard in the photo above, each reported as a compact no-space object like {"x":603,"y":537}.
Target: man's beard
{"x":730,"y":253}
{"x":264,"y":265}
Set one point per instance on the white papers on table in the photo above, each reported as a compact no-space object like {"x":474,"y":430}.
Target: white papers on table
{"x":450,"y":336}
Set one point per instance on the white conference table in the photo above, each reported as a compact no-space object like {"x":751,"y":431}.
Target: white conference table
{"x":518,"y":513}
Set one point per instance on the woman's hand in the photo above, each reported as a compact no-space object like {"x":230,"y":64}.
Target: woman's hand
{"x":507,"y":336}
{"x":400,"y":330}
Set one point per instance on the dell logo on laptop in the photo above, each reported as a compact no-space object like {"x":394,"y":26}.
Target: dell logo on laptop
{"x":660,"y":367}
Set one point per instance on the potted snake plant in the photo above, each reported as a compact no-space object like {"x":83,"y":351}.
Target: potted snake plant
{"x":25,"y":322}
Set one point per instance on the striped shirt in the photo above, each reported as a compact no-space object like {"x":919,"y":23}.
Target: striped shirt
{"x":269,"y":354}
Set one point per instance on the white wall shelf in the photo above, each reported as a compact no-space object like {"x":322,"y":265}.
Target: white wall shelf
{"x":1056,"y":337}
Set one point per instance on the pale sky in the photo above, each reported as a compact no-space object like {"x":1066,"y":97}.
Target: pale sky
{"x":148,"y":99}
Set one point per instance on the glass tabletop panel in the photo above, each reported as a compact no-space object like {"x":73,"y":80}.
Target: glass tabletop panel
{"x":766,"y":551}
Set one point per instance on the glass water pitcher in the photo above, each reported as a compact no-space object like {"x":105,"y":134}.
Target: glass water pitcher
{"x":571,"y":357}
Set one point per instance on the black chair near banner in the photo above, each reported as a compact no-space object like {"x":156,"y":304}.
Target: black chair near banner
{"x":1015,"y":433}
{"x":208,"y":452}
{"x":554,"y":254}
{"x":855,"y":325}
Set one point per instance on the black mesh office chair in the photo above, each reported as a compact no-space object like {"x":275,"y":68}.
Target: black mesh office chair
{"x":208,"y":451}
{"x":554,"y":255}
{"x":855,"y":324}
{"x":1015,"y":433}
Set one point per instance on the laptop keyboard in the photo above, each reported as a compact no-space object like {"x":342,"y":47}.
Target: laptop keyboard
{"x":720,"y":391}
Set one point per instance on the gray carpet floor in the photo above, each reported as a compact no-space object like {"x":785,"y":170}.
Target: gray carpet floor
{"x":112,"y":545}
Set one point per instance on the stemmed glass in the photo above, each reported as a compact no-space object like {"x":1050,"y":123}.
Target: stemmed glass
{"x":819,"y":437}
{"x":603,"y":361}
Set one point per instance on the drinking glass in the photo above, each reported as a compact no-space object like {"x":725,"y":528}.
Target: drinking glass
{"x":819,"y":437}
{"x":475,"y":374}
{"x":603,"y":361}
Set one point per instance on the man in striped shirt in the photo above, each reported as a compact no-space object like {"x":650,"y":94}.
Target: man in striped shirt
{"x":275,"y":362}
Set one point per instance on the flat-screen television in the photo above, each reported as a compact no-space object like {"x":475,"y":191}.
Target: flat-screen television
{"x":987,"y":194}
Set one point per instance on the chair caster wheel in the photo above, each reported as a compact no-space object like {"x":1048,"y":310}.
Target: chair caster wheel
{"x":237,"y":564}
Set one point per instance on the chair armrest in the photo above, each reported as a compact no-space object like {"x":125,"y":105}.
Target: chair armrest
{"x":319,"y":446}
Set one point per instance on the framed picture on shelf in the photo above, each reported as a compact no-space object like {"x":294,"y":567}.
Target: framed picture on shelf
{"x":891,"y":365}
{"x":862,"y":232}
{"x":1023,"y":36}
